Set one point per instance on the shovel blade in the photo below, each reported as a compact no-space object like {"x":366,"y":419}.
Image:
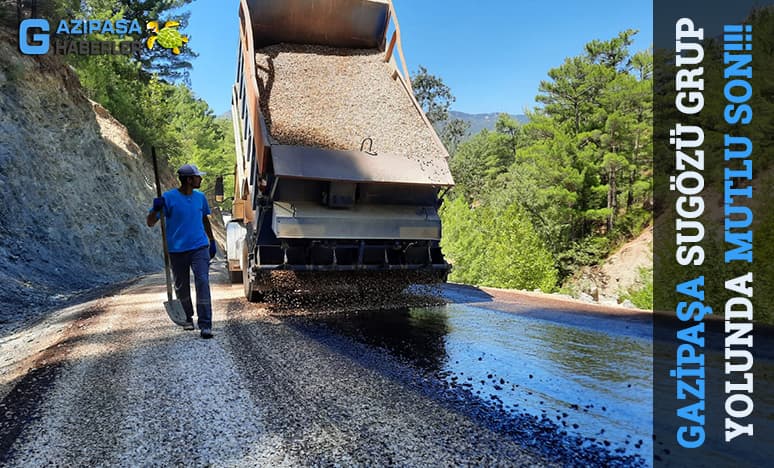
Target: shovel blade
{"x":175,"y":311}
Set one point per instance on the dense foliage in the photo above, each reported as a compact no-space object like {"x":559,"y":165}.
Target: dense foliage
{"x":495,"y":246}
{"x":535,"y":202}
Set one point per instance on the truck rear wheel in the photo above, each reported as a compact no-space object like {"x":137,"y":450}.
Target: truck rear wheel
{"x":251,"y":292}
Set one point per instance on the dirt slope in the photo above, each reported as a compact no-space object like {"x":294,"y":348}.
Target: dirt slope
{"x":74,"y":190}
{"x":619,"y":273}
{"x":622,"y":269}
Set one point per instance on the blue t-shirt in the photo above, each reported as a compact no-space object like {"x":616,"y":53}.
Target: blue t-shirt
{"x":184,"y":214}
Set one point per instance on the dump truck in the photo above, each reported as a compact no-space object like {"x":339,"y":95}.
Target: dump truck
{"x":339,"y":174}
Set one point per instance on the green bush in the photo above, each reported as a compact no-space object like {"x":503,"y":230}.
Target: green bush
{"x":642,"y":295}
{"x":632,"y":223}
{"x":584,"y":252}
{"x":495,"y":247}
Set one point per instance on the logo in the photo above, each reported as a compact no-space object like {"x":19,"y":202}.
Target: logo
{"x":40,"y":43}
{"x":70,"y":37}
{"x":167,"y":37}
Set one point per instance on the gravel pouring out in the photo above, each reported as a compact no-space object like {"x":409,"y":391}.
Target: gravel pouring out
{"x":335,"y":292}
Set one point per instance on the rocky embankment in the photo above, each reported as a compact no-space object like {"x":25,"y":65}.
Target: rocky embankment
{"x":608,"y":282}
{"x":74,"y":190}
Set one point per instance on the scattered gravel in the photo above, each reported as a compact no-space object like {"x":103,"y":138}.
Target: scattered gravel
{"x":335,"y":292}
{"x":334,"y":98}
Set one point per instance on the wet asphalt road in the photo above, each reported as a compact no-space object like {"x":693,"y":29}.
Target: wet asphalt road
{"x":485,"y":380}
{"x":526,"y":367}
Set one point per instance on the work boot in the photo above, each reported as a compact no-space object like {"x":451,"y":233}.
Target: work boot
{"x":206,"y":333}
{"x":189,"y":325}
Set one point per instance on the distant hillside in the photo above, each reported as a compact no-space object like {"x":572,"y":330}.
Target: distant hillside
{"x":479,"y":122}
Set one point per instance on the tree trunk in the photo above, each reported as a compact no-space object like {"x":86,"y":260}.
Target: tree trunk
{"x":611,"y":201}
{"x":577,"y":118}
{"x":633,"y":174}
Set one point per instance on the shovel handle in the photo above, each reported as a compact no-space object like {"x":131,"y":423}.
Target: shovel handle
{"x":156,"y":171}
{"x":163,"y":226}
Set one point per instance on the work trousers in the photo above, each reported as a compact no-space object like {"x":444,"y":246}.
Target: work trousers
{"x":199,"y":261}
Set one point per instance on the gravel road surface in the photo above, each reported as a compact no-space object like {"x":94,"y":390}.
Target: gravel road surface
{"x":113,"y":382}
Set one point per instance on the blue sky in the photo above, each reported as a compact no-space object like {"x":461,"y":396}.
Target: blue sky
{"x":492,"y":57}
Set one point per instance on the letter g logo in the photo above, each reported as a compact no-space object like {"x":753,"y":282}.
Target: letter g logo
{"x":40,"y":42}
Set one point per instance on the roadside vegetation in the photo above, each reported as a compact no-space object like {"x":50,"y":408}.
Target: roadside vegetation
{"x":642,"y":296}
{"x":535,"y":202}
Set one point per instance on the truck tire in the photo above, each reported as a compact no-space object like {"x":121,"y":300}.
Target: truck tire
{"x":251,"y":292}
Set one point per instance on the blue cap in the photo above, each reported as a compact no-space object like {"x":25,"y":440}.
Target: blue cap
{"x":189,"y":170}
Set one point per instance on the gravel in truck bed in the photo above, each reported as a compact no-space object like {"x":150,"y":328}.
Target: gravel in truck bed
{"x":334,"y":98}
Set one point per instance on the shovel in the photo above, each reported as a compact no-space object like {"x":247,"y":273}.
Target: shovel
{"x":173,"y":307}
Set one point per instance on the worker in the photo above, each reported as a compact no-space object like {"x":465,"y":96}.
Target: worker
{"x":191,"y":244}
